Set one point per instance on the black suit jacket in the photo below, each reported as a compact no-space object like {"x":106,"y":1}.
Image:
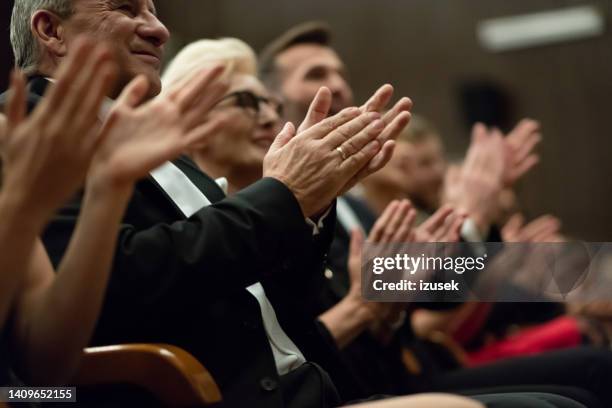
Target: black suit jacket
{"x":36,"y":88}
{"x":338,"y":259}
{"x":182,"y":281}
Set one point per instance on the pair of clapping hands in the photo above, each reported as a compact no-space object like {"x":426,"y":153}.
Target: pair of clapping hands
{"x":48,"y":154}
{"x":493,"y":162}
{"x":396,"y":226}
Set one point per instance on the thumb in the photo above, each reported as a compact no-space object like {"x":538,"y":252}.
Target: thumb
{"x":283,"y":137}
{"x":134,"y":93}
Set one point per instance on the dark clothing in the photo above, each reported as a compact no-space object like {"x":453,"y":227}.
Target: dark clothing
{"x":301,"y":385}
{"x":508,"y":314}
{"x":514,"y":400}
{"x":528,"y":400}
{"x":36,"y":87}
{"x":585,"y":368}
{"x":580,"y":396}
{"x":338,"y":254}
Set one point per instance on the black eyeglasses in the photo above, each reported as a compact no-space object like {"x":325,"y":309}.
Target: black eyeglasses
{"x":248,"y":100}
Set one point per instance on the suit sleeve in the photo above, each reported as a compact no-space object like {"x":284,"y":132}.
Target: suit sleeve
{"x":224,"y":247}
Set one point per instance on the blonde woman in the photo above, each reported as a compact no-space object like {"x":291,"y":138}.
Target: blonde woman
{"x":251,"y":116}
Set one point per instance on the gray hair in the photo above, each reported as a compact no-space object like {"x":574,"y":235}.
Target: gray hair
{"x":25,"y":46}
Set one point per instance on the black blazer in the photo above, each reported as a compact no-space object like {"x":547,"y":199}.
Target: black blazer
{"x":36,"y":88}
{"x":338,"y":256}
{"x":182,"y":281}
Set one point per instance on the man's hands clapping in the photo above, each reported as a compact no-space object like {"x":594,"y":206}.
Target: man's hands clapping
{"x":327,"y":156}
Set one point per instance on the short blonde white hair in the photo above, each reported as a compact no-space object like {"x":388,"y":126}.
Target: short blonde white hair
{"x":235,"y":55}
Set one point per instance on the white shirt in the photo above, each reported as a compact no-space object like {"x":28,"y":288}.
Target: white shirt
{"x":347,"y":217}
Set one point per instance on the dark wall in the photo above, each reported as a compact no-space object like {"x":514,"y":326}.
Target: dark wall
{"x":428,"y":50}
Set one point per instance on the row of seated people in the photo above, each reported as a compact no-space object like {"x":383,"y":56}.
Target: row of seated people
{"x":179,"y":210}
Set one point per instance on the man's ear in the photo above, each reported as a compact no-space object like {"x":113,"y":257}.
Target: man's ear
{"x":48,"y":30}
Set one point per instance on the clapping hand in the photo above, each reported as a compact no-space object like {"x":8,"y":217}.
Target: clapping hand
{"x":395,"y":226}
{"x":325,"y":157}
{"x":543,"y":229}
{"x":316,"y":163}
{"x":47,"y":154}
{"x":443,"y":226}
{"x":139,"y":137}
{"x":519,"y":146}
{"x":475,"y":188}
{"x":395,"y":120}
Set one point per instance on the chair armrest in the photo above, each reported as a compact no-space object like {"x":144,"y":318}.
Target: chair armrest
{"x":169,"y":373}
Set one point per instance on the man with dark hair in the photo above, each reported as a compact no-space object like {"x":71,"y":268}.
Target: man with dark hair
{"x":300,"y":61}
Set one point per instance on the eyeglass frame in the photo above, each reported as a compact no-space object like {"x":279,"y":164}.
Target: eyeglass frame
{"x":240,"y":98}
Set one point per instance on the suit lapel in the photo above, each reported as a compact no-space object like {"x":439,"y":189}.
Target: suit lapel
{"x":37,"y":86}
{"x":202,"y":181}
{"x":186,"y":186}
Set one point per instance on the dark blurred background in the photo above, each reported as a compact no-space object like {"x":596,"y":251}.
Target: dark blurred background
{"x":429,"y":51}
{"x":6,"y":56}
